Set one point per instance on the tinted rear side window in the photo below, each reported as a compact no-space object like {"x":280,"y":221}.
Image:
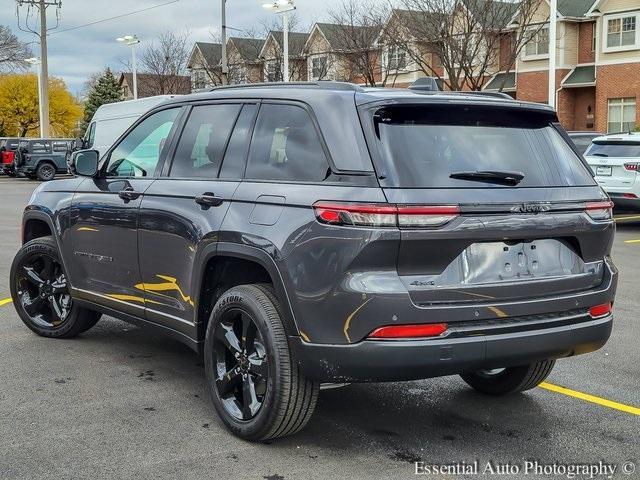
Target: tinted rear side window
{"x":286,"y":146}
{"x":617,"y":149}
{"x":201,"y":147}
{"x":422,"y":146}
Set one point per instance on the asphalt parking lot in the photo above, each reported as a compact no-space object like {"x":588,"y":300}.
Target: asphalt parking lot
{"x":120,"y":402}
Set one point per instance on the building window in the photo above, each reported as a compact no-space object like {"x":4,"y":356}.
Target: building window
{"x":397,"y":58}
{"x":539,"y":44}
{"x":622,"y":115}
{"x":273,"y":73}
{"x":318,"y":68}
{"x":199,"y":79}
{"x":621,"y":32}
{"x":238,"y":75}
{"x":594,"y":36}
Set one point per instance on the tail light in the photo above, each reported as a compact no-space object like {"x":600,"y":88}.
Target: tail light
{"x":629,"y":195}
{"x":632,"y":167}
{"x":600,"y":310}
{"x":409,"y":331}
{"x":385,"y":215}
{"x":600,"y":210}
{"x":7,"y":157}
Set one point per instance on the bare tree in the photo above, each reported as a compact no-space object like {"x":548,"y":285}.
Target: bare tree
{"x":166,"y":59}
{"x":357,"y":26}
{"x":458,"y":41}
{"x":12,"y":51}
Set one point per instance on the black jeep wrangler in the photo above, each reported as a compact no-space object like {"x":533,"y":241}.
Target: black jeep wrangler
{"x":322,"y":232}
{"x":42,"y":158}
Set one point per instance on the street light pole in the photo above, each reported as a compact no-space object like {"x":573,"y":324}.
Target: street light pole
{"x":36,"y":63}
{"x":224,"y":62}
{"x":553,"y":13}
{"x":132,"y":41}
{"x":283,"y":7}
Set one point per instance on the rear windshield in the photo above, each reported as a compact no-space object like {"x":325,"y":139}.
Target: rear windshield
{"x":617,"y":149}
{"x":422,"y":146}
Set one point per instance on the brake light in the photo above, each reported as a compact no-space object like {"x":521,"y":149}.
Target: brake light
{"x":409,"y":331}
{"x":7,"y":157}
{"x":632,"y":167}
{"x":600,"y":210}
{"x":600,"y":310}
{"x":385,"y":215}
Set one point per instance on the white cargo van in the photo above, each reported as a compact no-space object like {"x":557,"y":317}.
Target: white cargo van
{"x":111,"y":120}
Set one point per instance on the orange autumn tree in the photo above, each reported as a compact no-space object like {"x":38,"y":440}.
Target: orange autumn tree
{"x":19,"y":115}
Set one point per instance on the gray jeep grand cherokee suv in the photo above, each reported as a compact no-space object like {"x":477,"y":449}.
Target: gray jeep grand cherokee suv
{"x":304,"y":233}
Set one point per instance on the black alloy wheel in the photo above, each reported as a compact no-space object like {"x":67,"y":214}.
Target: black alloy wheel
{"x":45,"y":172}
{"x":241,"y":362}
{"x":43,"y":291}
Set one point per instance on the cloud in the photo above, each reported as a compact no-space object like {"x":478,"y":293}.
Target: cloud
{"x":76,"y":54}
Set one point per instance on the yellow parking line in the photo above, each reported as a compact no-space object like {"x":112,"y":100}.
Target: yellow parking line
{"x":632,"y":241}
{"x":591,"y":398}
{"x":5,"y":301}
{"x":633,"y":217}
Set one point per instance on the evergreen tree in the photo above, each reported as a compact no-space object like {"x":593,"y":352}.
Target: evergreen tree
{"x":104,"y":90}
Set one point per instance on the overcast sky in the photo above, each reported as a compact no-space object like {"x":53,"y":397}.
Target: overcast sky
{"x":76,"y":54}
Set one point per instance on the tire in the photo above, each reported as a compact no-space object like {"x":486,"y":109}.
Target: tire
{"x":45,"y":171}
{"x":30,"y":297}
{"x":510,"y":380}
{"x":286,"y":398}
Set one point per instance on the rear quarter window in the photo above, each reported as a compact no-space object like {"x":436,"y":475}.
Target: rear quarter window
{"x":421,"y":146}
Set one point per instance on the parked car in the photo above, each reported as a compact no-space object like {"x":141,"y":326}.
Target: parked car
{"x":42,"y":158}
{"x":582,"y":140}
{"x":8,"y":147}
{"x":322,"y":232}
{"x":615,"y":160}
{"x":113,"y":119}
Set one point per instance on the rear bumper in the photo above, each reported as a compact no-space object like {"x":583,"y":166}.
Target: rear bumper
{"x":379,"y":361}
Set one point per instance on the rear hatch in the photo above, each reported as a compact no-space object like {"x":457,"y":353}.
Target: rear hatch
{"x":507,"y":210}
{"x":615,"y":163}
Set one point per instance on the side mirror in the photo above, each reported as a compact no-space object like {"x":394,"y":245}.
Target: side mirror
{"x":85,"y":162}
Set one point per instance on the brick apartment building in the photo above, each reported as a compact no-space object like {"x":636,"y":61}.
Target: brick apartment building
{"x":597,"y":60}
{"x":597,"y":65}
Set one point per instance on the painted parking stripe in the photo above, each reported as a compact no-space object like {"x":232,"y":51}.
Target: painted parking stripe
{"x":4,"y":301}
{"x":621,"y":219}
{"x":632,"y":241}
{"x":591,"y":398}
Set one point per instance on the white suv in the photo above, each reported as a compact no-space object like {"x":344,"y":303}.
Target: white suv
{"x":615,"y":160}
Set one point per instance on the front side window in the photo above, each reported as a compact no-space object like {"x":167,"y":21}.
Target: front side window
{"x":139,"y":152}
{"x":90,"y":136}
{"x":539,"y":43}
{"x":621,"y":32}
{"x":622,"y":115}
{"x":286,"y":146}
{"x":60,"y":147}
{"x":203,"y":141}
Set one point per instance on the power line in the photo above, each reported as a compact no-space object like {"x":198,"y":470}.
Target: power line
{"x":114,"y":18}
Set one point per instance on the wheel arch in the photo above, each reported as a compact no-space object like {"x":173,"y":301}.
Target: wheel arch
{"x":260,"y":268}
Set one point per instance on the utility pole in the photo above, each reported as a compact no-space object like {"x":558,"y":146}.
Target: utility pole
{"x":553,"y":15}
{"x":224,"y":62}
{"x":42,"y":6}
{"x":44,"y":71}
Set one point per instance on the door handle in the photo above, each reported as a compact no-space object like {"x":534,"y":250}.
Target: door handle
{"x":128,"y":194}
{"x":208,"y":199}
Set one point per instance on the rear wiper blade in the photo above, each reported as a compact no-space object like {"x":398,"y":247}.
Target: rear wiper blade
{"x":489,"y":176}
{"x":598,"y":155}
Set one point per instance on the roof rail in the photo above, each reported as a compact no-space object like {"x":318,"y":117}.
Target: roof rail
{"x":323,"y":85}
{"x":489,"y":94}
